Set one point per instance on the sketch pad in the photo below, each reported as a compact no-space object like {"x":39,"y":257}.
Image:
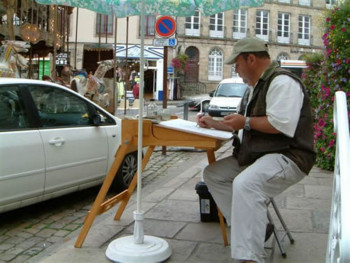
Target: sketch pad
{"x":191,"y":127}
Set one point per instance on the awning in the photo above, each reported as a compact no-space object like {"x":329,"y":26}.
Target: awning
{"x":134,"y":51}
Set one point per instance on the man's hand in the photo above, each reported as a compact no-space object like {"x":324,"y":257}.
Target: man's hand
{"x":235,"y":121}
{"x":206,"y":121}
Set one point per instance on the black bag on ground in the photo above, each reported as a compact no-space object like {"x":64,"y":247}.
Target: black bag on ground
{"x":207,"y":205}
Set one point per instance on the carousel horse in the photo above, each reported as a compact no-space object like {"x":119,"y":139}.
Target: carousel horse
{"x":10,"y":59}
{"x":91,"y":85}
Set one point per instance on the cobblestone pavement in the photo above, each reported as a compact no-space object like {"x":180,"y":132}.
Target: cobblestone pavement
{"x":26,"y":232}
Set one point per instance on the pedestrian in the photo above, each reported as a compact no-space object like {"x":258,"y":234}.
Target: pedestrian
{"x":136,"y":90}
{"x":273,"y":151}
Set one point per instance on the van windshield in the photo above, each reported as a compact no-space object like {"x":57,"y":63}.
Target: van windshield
{"x":231,"y":90}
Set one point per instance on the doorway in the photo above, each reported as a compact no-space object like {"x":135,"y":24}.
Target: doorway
{"x":192,"y":73}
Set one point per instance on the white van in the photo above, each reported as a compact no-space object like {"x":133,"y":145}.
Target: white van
{"x":226,"y":97}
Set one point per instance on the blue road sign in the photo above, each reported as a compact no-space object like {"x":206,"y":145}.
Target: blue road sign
{"x":165,"y":26}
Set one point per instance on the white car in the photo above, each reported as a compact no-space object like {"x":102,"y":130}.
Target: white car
{"x":54,"y":141}
{"x":227,"y":97}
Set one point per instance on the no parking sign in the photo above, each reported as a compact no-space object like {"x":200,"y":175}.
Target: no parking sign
{"x":165,"y":26}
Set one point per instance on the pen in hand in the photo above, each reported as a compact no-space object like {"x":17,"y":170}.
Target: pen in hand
{"x":199,"y":116}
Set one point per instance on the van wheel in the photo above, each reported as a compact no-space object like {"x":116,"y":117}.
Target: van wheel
{"x":125,"y":173}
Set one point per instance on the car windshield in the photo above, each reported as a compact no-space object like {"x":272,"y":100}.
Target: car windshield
{"x":231,"y":90}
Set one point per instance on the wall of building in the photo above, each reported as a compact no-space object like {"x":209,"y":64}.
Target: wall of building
{"x":294,"y":51}
{"x":87,"y":34}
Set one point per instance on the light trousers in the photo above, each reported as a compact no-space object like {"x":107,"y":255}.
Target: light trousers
{"x":241,"y":194}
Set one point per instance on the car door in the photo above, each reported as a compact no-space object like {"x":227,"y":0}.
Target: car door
{"x":76,"y":151}
{"x":22,"y":163}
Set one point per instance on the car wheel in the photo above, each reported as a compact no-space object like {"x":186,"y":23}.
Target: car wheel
{"x":126,"y":172}
{"x":205,"y":106}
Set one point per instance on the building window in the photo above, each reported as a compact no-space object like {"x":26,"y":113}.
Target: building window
{"x":215,"y":64}
{"x":331,"y":3}
{"x":216,"y":27}
{"x":150,"y":22}
{"x":283,"y":28}
{"x":282,"y":56}
{"x":304,"y":30}
{"x":262,"y":24}
{"x":284,"y":1}
{"x":304,"y":2}
{"x":193,"y":24}
{"x":240,"y":23}
{"x":104,"y":24}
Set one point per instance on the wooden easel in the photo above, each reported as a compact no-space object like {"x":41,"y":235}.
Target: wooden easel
{"x":153,"y":135}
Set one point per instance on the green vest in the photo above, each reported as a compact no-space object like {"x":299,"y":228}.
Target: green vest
{"x":256,"y":144}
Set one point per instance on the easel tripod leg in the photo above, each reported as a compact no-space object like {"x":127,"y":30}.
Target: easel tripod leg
{"x":133,"y":184}
{"x":101,"y":195}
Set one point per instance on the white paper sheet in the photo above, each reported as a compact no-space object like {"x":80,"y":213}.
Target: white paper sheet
{"x":191,"y":127}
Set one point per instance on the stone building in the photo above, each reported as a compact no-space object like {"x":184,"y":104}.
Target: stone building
{"x":292,"y":28}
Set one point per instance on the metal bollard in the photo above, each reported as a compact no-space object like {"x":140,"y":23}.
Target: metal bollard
{"x":186,"y":111}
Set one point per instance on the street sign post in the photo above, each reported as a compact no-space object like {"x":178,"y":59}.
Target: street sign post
{"x":165,"y":42}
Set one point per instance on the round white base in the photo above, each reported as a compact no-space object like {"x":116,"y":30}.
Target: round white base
{"x":152,"y":250}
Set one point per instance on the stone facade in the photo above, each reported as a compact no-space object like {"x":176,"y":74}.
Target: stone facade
{"x":292,"y":50}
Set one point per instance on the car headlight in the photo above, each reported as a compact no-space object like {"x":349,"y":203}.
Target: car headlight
{"x":213,"y":107}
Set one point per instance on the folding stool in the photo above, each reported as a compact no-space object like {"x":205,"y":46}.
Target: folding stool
{"x":278,"y":237}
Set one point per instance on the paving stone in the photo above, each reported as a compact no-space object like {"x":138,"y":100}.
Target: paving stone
{"x":297,"y":220}
{"x":326,"y":181}
{"x":181,"y":250}
{"x":33,"y":251}
{"x":321,"y":221}
{"x":204,"y":231}
{"x":15,"y":250}
{"x":308,"y":203}
{"x":3,"y":238}
{"x":30,"y":242}
{"x":6,"y":246}
{"x":296,"y":190}
{"x":20,"y":259}
{"x":6,"y":257}
{"x":183,"y":194}
{"x":54,"y":239}
{"x":318,"y":192}
{"x":79,"y":255}
{"x":175,"y":210}
{"x":208,"y":253}
{"x":99,"y":234}
{"x":71,"y":227}
{"x":46,"y":233}
{"x":158,"y":194}
{"x":311,"y":247}
{"x":32,"y":231}
{"x":62,"y":233}
{"x":16,"y":240}
{"x":56,"y":225}
{"x":160,"y":228}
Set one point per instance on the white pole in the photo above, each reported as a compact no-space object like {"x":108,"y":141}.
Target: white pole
{"x":139,"y":248}
{"x":138,"y":214}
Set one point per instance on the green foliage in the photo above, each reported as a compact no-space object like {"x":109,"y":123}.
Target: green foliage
{"x":327,"y":74}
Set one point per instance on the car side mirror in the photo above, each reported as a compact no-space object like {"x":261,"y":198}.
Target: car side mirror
{"x":96,"y":120}
{"x":211,"y":94}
